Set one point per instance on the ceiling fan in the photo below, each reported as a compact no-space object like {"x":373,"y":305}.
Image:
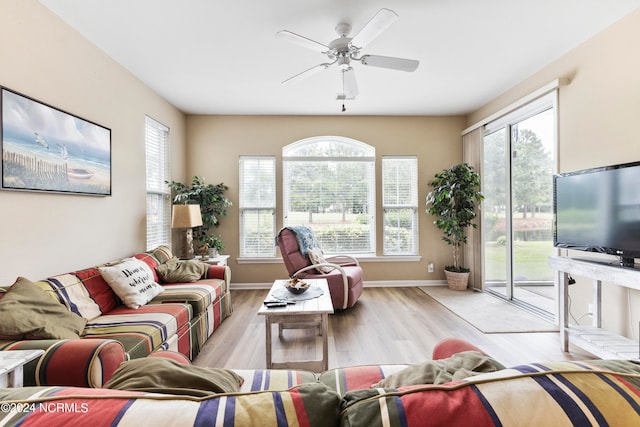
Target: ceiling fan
{"x":345,"y":49}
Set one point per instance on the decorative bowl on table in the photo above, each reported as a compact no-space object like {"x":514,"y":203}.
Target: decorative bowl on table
{"x":296,"y":286}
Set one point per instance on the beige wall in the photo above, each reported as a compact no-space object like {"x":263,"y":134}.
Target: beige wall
{"x":216,"y":142}
{"x":598,"y":112}
{"x":45,"y":234}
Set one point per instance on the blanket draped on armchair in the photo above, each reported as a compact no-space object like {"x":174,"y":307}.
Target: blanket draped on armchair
{"x":305,"y":236}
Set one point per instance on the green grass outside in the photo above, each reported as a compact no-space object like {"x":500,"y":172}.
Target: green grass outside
{"x":530,"y":260}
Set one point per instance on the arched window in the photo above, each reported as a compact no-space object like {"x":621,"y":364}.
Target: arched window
{"x":329,"y":184}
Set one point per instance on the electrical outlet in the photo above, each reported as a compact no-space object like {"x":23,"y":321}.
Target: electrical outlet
{"x":430,"y":267}
{"x":590,"y":308}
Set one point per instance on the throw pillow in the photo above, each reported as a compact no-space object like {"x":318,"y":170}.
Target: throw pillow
{"x":457,"y":367}
{"x":160,"y":375}
{"x":72,"y":292}
{"x":176,"y":271}
{"x":27,"y":311}
{"x":316,"y":257}
{"x":132,"y":280}
{"x":162,"y":254}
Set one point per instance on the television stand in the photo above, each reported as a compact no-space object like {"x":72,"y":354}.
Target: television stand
{"x":627,"y":262}
{"x":594,"y":339}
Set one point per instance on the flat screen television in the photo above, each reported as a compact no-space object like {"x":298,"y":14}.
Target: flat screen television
{"x":598,"y":210}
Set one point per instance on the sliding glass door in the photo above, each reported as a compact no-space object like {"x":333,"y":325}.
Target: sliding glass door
{"x":517,"y":176}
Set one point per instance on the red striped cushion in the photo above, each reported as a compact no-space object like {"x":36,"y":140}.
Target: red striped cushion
{"x":72,"y":292}
{"x":151,"y":262}
{"x":217,"y":272}
{"x":162,"y":254}
{"x":357,"y":377}
{"x":78,"y":362}
{"x":559,"y":394}
{"x":308,"y":405}
{"x":93,"y":362}
{"x":98,"y":289}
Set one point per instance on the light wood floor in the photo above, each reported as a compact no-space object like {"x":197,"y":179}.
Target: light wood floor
{"x":387,"y":325}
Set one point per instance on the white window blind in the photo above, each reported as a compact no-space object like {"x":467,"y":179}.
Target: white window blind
{"x":400,"y":205}
{"x":329,"y":185}
{"x":158,"y":193}
{"x":257,"y":206}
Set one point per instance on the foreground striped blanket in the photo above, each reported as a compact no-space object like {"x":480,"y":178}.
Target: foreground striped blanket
{"x":306,"y":405}
{"x":553,"y":394}
{"x":596,"y":393}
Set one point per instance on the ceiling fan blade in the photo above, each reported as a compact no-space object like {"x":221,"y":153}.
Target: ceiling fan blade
{"x":380,"y":22}
{"x":349,"y":84}
{"x":307,"y":73}
{"x":302,"y":41}
{"x":390,"y":62}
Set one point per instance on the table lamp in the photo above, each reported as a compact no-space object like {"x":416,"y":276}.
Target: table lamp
{"x":186,"y":217}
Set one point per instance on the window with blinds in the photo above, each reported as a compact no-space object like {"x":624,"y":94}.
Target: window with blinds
{"x":158,"y":193}
{"x":329,"y":185}
{"x":400,"y":205}
{"x":257,"y":206}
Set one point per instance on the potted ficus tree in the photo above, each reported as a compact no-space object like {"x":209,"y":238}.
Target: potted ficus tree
{"x":213,"y":205}
{"x":453,"y":201}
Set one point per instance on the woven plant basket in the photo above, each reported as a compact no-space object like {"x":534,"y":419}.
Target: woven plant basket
{"x":457,"y":281}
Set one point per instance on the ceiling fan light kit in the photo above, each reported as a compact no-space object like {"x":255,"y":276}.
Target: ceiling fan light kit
{"x":344,"y":49}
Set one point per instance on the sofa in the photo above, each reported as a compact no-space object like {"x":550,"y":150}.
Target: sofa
{"x":99,"y":316}
{"x":560,"y":394}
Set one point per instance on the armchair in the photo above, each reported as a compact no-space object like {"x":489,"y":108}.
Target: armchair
{"x":344,"y":274}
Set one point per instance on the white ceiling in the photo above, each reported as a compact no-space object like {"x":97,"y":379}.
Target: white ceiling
{"x":222,"y":56}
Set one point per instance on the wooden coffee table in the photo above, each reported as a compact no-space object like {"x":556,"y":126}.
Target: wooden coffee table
{"x":306,"y":313}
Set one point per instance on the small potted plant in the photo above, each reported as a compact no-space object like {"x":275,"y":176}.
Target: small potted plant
{"x":214,"y":243}
{"x":453,"y":200}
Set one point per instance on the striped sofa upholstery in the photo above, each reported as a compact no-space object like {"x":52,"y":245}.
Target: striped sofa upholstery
{"x":79,"y":363}
{"x":541,"y":394}
{"x":181,"y":318}
{"x":312,"y":405}
{"x":343,"y":380}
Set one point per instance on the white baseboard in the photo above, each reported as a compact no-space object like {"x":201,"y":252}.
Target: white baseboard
{"x":367,"y":284}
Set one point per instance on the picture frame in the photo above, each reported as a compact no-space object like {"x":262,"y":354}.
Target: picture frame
{"x":46,"y":149}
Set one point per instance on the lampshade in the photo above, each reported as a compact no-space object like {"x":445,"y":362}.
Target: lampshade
{"x":186,"y":216}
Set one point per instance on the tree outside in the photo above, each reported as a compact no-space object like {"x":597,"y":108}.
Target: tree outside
{"x":328,"y":185}
{"x":532,"y":181}
{"x":532,"y":198}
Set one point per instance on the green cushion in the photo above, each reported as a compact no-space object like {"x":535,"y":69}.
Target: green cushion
{"x":160,"y":375}
{"x":459,"y":366}
{"x":27,"y":311}
{"x":175,"y":271}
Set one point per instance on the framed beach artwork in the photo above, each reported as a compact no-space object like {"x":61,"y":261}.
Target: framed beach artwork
{"x":47,"y":149}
